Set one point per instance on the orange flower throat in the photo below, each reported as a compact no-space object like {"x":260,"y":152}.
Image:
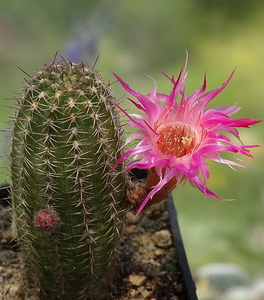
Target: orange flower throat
{"x":176,"y":139}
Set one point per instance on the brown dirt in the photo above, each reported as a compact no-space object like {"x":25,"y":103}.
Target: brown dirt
{"x":147,"y":267}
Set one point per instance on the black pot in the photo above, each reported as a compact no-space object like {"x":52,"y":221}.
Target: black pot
{"x":187,"y":280}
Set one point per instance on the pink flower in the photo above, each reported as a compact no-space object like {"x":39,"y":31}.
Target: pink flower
{"x":175,"y":139}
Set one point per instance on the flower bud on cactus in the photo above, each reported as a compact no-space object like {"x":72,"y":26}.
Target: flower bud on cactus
{"x":47,"y":219}
{"x":68,"y":200}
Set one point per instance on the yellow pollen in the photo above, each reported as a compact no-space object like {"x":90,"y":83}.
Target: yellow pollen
{"x":176,"y":139}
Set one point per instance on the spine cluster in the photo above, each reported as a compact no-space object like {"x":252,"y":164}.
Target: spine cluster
{"x":68,"y":200}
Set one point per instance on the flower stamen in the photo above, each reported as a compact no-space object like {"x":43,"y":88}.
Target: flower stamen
{"x":176,"y":139}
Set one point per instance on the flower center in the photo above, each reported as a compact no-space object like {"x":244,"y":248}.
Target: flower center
{"x":176,"y":139}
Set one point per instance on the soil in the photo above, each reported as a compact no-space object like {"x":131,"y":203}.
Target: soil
{"x":147,"y":267}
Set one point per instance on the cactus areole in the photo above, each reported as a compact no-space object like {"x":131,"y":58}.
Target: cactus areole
{"x":68,"y":200}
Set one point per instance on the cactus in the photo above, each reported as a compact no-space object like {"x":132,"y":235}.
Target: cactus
{"x":68,"y":200}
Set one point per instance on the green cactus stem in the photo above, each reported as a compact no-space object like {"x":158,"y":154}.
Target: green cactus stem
{"x":68,"y":200}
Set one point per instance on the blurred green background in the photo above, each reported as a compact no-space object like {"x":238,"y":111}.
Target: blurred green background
{"x":134,"y":38}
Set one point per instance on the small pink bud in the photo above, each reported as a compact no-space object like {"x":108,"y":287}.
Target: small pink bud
{"x":136,"y":194}
{"x":47,"y":219}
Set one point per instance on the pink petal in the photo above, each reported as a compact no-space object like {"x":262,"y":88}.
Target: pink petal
{"x":148,"y":105}
{"x":197,"y":183}
{"x":209,"y":96}
{"x":167,"y":177}
{"x":133,"y":151}
{"x":193,"y":97}
{"x":227,"y":110}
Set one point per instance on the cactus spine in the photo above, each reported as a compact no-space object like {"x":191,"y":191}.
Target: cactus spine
{"x":68,"y":201}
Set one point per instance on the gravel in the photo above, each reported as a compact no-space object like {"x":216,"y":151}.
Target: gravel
{"x":146,"y":266}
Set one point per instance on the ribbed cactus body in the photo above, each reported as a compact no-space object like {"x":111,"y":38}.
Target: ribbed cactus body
{"x":68,"y":200}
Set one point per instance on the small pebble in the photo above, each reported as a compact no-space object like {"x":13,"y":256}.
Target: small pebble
{"x":132,"y":292}
{"x":158,"y":252}
{"x":146,"y":293}
{"x":137,"y":280}
{"x":162,"y":238}
{"x":130,"y":229}
{"x":131,"y":218}
{"x":13,"y":289}
{"x":144,"y":239}
{"x":141,"y":289}
{"x":9,"y":272}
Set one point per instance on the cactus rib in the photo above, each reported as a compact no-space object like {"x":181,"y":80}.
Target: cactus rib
{"x":66,"y":139}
